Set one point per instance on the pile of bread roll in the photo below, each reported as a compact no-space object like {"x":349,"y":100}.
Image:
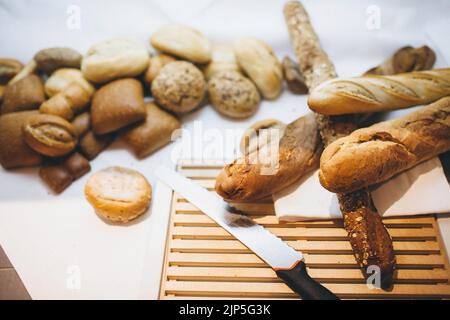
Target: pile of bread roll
{"x":62,"y":109}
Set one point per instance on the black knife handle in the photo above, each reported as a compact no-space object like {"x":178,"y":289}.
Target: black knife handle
{"x":298,"y":279}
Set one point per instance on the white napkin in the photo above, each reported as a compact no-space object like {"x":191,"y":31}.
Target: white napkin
{"x":421,"y":190}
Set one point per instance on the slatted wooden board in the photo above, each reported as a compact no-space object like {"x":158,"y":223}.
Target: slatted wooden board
{"x":11,"y":286}
{"x":203,"y":261}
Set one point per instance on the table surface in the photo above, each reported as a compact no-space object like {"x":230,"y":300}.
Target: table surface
{"x":58,"y":246}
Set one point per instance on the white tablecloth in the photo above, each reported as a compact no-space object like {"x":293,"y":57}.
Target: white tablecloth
{"x":60,"y":248}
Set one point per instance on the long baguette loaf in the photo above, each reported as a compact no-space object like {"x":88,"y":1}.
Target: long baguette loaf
{"x":375,"y":154}
{"x":298,"y":153}
{"x":371,"y":243}
{"x":379,"y":93}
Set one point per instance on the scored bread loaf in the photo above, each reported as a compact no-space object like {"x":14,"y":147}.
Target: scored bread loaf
{"x":379,"y":93}
{"x":298,"y":152}
{"x":375,"y":154}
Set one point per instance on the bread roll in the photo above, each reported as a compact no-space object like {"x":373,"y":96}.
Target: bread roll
{"x":68,"y":102}
{"x":116,"y":105}
{"x":62,"y":78}
{"x":152,"y":134}
{"x":223,"y":59}
{"x":49,"y":135}
{"x":379,"y":93}
{"x":27,"y":70}
{"x":156,"y":64}
{"x":91,"y":144}
{"x":183,"y":42}
{"x":58,"y":174}
{"x":82,"y":123}
{"x":14,"y":152}
{"x":9,"y":68}
{"x":179,"y":87}
{"x":294,"y":79}
{"x":259,"y":62}
{"x":406,"y":59}
{"x":25,"y":94}
{"x":375,"y":154}
{"x":233,"y":95}
{"x":113,"y":59}
{"x":50,"y":59}
{"x":118,"y":194}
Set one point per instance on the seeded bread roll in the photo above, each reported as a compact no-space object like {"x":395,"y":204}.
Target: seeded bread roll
{"x":233,"y":95}
{"x":179,"y":87}
{"x":379,"y":93}
{"x":375,"y":154}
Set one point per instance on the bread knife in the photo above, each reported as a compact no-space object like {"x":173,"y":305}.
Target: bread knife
{"x":284,"y":260}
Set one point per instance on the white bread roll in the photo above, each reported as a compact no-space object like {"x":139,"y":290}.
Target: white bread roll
{"x":115,"y":58}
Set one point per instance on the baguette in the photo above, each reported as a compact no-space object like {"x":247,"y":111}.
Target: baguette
{"x":375,"y":154}
{"x":379,"y":93}
{"x":298,"y":152}
{"x":370,"y":240}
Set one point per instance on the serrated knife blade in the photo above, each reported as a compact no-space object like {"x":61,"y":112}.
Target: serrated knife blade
{"x":286,"y":261}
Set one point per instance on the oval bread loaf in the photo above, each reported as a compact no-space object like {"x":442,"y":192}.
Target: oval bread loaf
{"x":259,"y":62}
{"x":377,"y":153}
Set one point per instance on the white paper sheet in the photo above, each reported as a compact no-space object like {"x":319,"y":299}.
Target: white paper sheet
{"x":421,"y":190}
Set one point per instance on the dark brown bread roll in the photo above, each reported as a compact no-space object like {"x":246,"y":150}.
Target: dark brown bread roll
{"x":152,"y":134}
{"x":116,"y":105}
{"x":25,"y":94}
{"x":57,"y":177}
{"x":82,"y":123}
{"x":9,"y":68}
{"x":77,"y":165}
{"x":91,"y":144}
{"x":14,"y":152}
{"x":58,"y":174}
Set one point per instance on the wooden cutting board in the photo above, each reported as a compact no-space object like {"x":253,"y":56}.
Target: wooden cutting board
{"x":11,"y":287}
{"x":204,"y":261}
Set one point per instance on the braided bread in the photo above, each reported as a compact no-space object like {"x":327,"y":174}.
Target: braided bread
{"x":380,"y":93}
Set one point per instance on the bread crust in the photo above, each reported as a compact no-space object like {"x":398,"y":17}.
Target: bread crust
{"x":116,"y":105}
{"x":154,"y":133}
{"x":375,"y":154}
{"x":299,"y":150}
{"x":379,"y":93}
{"x":118,"y":194}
